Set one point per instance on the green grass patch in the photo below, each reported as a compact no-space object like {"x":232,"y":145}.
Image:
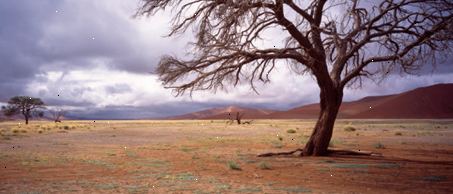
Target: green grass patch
{"x":249,"y":190}
{"x":379,"y":145}
{"x":222,"y":186}
{"x":232,"y":165}
{"x":186,"y":176}
{"x":297,"y":189}
{"x":335,"y":142}
{"x":348,"y":165}
{"x":264,"y":166}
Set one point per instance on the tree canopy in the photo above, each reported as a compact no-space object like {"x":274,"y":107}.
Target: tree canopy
{"x":329,"y":39}
{"x":25,"y":105}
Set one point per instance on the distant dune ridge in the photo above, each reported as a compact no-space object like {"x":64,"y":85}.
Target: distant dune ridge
{"x":225,"y":113}
{"x":432,"y":102}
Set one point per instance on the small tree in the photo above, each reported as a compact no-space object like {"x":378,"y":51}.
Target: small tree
{"x":57,"y":114}
{"x":337,"y":42}
{"x":239,"y":117}
{"x":27,"y":106}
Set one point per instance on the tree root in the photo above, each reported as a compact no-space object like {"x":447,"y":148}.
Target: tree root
{"x":352,"y":152}
{"x":329,"y":152}
{"x":280,"y":153}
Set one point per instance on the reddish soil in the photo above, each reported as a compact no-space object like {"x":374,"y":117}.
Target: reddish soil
{"x":198,"y":157}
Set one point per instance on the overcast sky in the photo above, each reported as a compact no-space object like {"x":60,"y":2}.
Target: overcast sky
{"x":92,"y":57}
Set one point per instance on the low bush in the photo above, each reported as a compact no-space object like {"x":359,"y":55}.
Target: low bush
{"x":264,"y":166}
{"x":233,"y":165}
{"x":349,"y":128}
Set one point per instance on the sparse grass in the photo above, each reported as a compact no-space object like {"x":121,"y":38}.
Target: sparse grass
{"x":297,"y":189}
{"x":249,"y":190}
{"x":223,"y":187}
{"x":99,"y":163}
{"x":388,"y":165}
{"x":187,"y":149}
{"x":335,"y":142}
{"x":186,"y":176}
{"x":232,"y":165}
{"x":137,"y":188}
{"x":331,"y":144}
{"x":107,"y":186}
{"x":290,"y":131}
{"x":350,"y":129}
{"x":379,"y":145}
{"x":264,"y":166}
{"x":130,"y":153}
{"x":277,"y":144}
{"x":348,"y":165}
{"x":434,"y":178}
{"x":152,"y":163}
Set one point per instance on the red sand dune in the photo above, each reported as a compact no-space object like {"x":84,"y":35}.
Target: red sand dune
{"x":432,"y":102}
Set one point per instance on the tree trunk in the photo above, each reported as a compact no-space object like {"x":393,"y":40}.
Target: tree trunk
{"x":330,"y":101}
{"x":26,"y":120}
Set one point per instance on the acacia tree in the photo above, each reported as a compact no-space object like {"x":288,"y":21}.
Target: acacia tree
{"x":337,"y":42}
{"x":25,"y":105}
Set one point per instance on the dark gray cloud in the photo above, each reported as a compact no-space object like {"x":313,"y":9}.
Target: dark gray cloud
{"x":48,"y":35}
{"x":142,"y":112}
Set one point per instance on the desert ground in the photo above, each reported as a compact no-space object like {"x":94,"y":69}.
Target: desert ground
{"x":204,"y":156}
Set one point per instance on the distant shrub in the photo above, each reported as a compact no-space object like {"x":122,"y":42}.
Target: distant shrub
{"x":16,"y":131}
{"x":39,"y":131}
{"x":23,"y":131}
{"x":264,"y":166}
{"x":398,"y":133}
{"x":233,"y":165}
{"x":66,"y":127}
{"x":349,"y":128}
{"x":280,"y":138}
{"x":379,"y":145}
{"x":290,"y":131}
